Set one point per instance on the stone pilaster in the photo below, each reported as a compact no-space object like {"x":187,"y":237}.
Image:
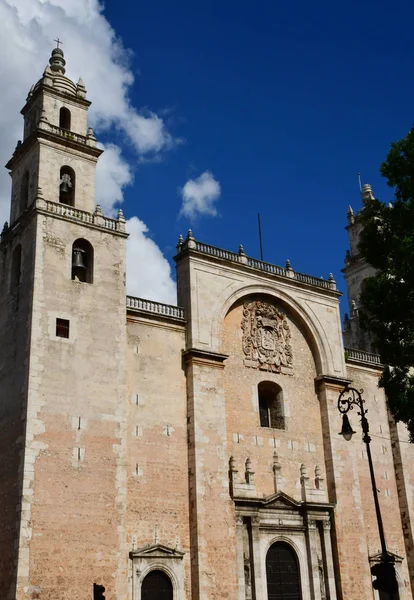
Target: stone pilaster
{"x":212,"y":517}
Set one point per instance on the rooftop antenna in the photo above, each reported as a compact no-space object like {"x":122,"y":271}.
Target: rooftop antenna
{"x":359,"y":181}
{"x":260,"y":236}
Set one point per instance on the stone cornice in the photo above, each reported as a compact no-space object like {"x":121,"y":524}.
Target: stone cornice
{"x":332,"y":381}
{"x":198,"y":356}
{"x":67,"y":141}
{"x":41,"y":87}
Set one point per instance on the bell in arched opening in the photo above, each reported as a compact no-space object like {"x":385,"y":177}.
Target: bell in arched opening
{"x":82,"y":261}
{"x":67,"y":186}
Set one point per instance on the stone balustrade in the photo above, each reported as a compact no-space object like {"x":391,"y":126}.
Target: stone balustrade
{"x":157,"y":308}
{"x":191,"y":244}
{"x":361,"y":356}
{"x":88,"y":140}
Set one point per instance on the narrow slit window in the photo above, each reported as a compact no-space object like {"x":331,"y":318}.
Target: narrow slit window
{"x":62,"y":328}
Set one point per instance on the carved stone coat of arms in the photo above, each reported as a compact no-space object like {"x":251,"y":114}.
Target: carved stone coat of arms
{"x":266,"y":338}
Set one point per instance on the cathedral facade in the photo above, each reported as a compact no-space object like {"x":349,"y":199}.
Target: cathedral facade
{"x":185,"y":452}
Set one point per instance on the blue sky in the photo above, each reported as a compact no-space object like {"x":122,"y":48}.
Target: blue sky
{"x":282,"y":103}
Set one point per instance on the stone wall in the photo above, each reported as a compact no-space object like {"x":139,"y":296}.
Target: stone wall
{"x":73,"y":533}
{"x":15,"y":326}
{"x":157,"y":474}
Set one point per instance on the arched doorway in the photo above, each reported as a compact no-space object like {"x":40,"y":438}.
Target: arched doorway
{"x":157,"y":586}
{"x":282,"y":573}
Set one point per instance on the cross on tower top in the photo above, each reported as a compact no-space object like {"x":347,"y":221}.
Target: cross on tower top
{"x":58,"y":42}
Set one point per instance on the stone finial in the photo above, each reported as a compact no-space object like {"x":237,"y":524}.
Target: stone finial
{"x":350,"y":215}
{"x":39,"y":193}
{"x":277,"y":473}
{"x":57,"y":61}
{"x":90,"y":134}
{"x":332,"y":282}
{"x":47,"y":76}
{"x":249,"y":473}
{"x":156,"y":534}
{"x":318,"y":478}
{"x":241,"y":251}
{"x":98,"y":210}
{"x":180,"y":242}
{"x":19,"y":143}
{"x":43,"y":121}
{"x":367,"y":193}
{"x":121,"y":215}
{"x":5,"y":227}
{"x":288,"y":265}
{"x":80,"y":88}
{"x":190,"y":240}
{"x":276,"y":464}
{"x":232,"y":464}
{"x":347,"y":257}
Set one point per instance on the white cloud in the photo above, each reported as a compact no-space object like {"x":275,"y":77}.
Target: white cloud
{"x":199,"y":196}
{"x":94,"y":52}
{"x":112,"y":175}
{"x":151,"y":269}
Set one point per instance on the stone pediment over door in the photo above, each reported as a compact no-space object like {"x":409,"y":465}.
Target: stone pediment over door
{"x":156,"y":551}
{"x":157,"y":557}
{"x":281,"y":500}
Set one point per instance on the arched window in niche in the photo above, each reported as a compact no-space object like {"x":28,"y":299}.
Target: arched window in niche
{"x":282,"y":573}
{"x":271,"y":409}
{"x":16,"y":268}
{"x":67,"y":186}
{"x":157,"y":586}
{"x":82,"y":261}
{"x":64,"y":118}
{"x":24,"y":191}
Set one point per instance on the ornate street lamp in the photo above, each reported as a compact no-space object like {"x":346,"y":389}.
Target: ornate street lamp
{"x":386,"y":581}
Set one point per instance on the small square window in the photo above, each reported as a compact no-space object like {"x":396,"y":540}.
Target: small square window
{"x":62,"y":328}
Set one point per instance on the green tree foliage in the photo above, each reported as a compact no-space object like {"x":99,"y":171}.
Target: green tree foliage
{"x":387,"y":302}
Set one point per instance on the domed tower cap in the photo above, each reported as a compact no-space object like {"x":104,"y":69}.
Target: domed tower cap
{"x":57,"y":61}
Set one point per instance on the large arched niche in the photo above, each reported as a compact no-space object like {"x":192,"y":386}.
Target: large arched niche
{"x":311,"y":330}
{"x":243,"y":378}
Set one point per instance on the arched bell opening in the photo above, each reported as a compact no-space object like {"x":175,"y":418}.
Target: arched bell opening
{"x":24,"y":191}
{"x":282,"y":573}
{"x":16,"y":268}
{"x":82,"y":261}
{"x":67,"y":186}
{"x":157,"y":586}
{"x":64,"y":118}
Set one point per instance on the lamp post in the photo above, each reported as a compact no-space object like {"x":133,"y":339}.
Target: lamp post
{"x":386,"y":582}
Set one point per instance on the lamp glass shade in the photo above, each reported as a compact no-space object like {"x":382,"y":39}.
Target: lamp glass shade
{"x":346,"y":430}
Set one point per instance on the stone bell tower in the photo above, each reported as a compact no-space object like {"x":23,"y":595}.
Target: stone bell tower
{"x":356,"y":271}
{"x":62,"y":349}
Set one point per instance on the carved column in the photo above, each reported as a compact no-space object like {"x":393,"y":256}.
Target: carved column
{"x":240,"y":558}
{"x":257,"y":584}
{"x":312,"y":544}
{"x":330,"y":572}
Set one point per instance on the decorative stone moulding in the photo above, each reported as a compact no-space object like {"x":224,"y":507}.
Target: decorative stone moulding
{"x":266,"y":338}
